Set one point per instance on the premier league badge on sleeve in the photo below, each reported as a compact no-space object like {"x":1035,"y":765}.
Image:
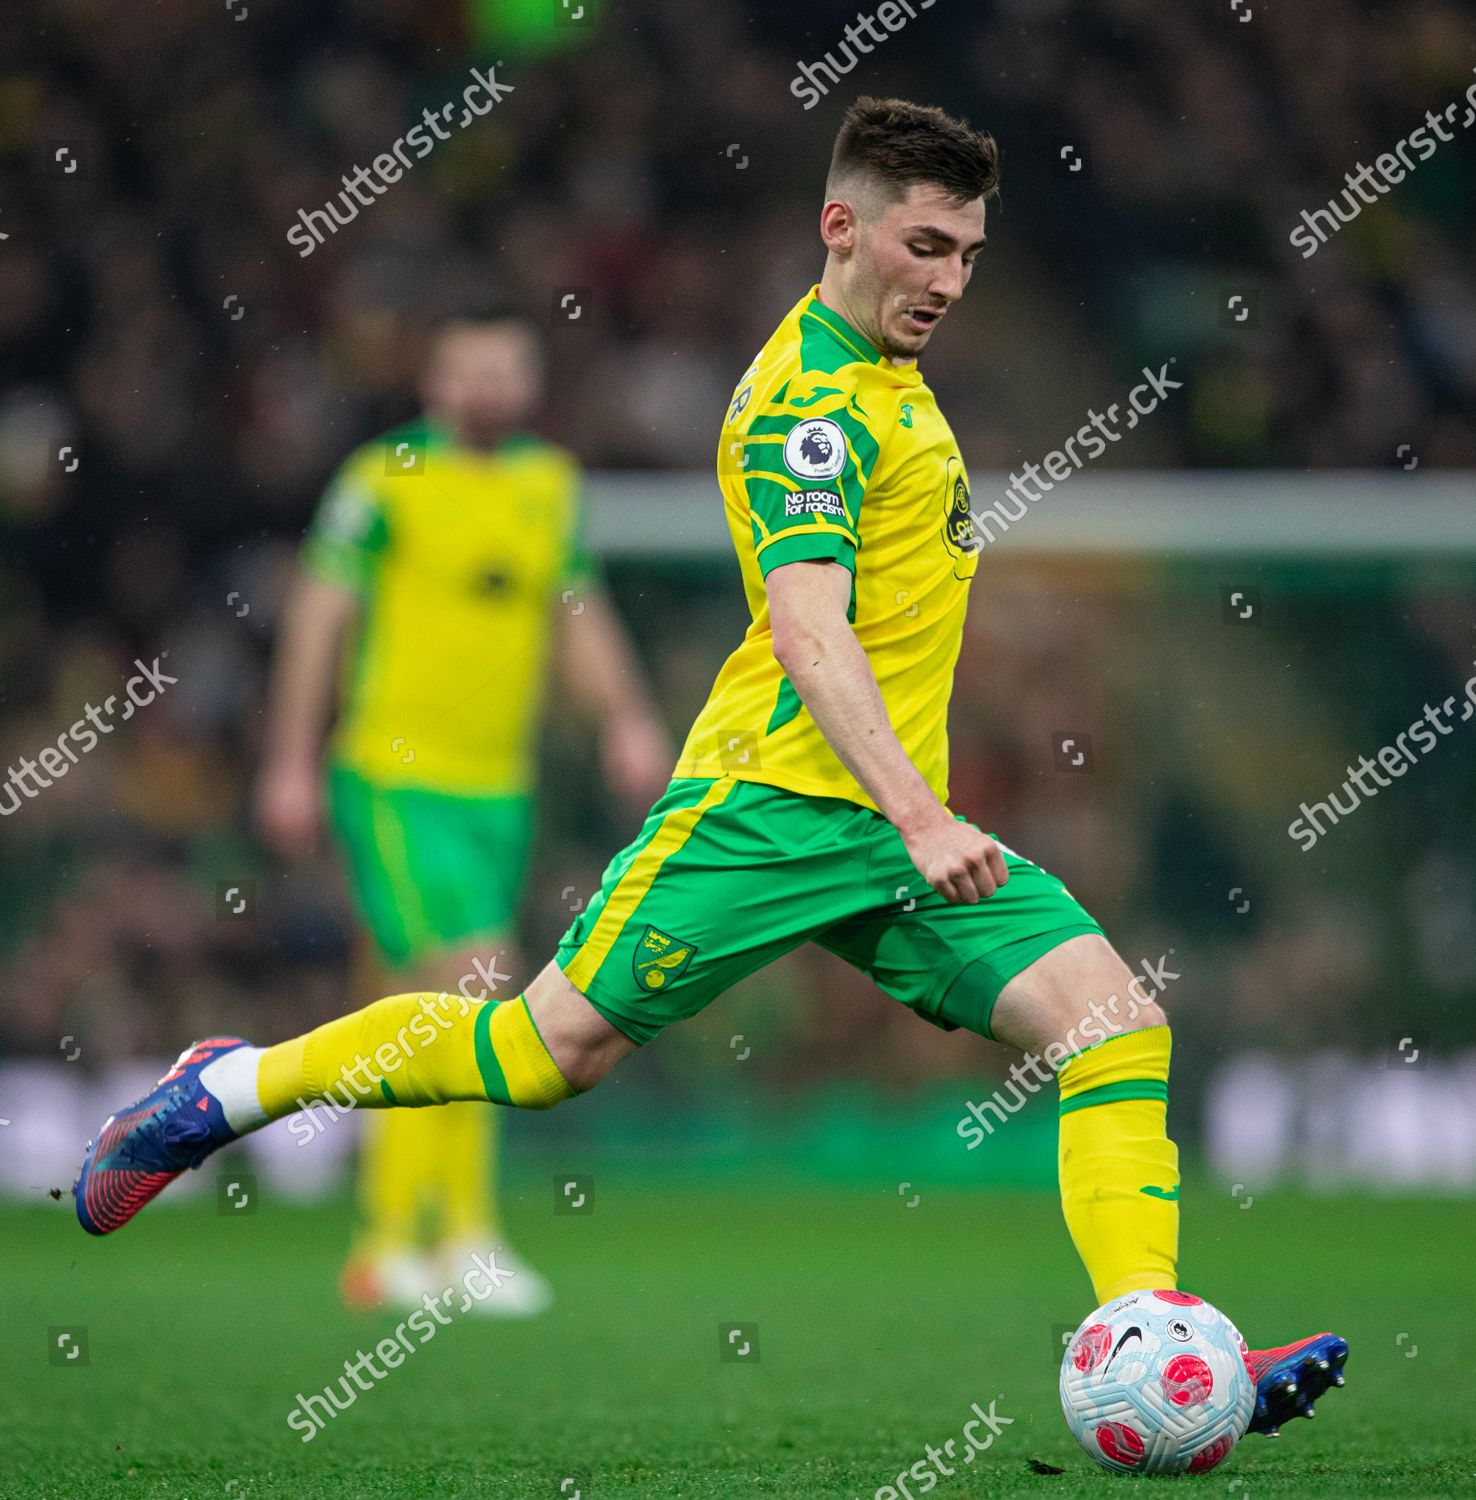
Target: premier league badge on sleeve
{"x":815,"y":449}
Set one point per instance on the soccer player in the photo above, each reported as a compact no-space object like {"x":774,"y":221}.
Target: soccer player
{"x":447,"y":565}
{"x":810,"y":801}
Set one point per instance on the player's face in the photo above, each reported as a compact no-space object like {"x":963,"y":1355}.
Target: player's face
{"x":914,"y":261}
{"x":484,"y":380}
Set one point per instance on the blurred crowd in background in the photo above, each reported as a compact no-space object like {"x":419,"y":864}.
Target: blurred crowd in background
{"x":177,"y":384}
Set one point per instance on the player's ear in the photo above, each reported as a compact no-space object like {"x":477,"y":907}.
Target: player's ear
{"x":838,"y":227}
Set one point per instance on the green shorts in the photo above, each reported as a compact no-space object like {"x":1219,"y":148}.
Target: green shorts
{"x":429,"y":870}
{"x":727,"y":875}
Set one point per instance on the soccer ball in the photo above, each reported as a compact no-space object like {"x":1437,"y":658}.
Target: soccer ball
{"x":1156,"y":1383}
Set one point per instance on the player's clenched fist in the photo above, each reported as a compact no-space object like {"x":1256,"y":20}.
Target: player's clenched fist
{"x":960,"y":863}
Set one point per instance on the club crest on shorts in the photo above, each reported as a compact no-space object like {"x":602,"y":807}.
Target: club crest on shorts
{"x":660,"y":958}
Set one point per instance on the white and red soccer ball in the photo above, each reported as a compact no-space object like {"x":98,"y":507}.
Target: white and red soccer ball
{"x":1156,"y":1383}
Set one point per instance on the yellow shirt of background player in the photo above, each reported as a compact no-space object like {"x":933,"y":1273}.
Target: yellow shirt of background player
{"x":460,"y":559}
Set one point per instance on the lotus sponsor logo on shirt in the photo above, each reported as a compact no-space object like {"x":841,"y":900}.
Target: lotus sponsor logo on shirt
{"x":959,"y":534}
{"x":815,"y":449}
{"x":806,"y":501}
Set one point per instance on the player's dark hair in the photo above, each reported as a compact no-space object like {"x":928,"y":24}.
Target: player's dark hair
{"x":898,"y":144}
{"x":483,"y":315}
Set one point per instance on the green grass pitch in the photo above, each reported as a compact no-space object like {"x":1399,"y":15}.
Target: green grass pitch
{"x":878,"y":1326}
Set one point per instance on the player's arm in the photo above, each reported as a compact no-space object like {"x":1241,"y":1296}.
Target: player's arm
{"x":807,"y":462}
{"x":343,"y":544}
{"x":818,"y":650}
{"x":299,"y":711}
{"x":603,"y":675}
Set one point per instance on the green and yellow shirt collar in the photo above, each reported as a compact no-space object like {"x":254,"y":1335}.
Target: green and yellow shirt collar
{"x":839,"y":329}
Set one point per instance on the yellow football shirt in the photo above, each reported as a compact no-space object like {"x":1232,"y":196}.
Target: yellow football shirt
{"x":829,"y":450}
{"x":460,"y":559}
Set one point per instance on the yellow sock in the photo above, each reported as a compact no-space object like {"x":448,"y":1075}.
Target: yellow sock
{"x":412,"y":1050}
{"x":392,"y":1168}
{"x":467,"y":1175}
{"x":1119,"y":1171}
{"x":414,"y":1161}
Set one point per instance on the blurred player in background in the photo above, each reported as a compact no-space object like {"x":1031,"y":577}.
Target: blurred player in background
{"x":443,"y":576}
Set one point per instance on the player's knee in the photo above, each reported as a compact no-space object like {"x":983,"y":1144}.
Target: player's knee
{"x":579,"y":1063}
{"x":1141,"y":1016}
{"x":1075,"y":996}
{"x":584,"y":1046}
{"x":1128,"y":1004}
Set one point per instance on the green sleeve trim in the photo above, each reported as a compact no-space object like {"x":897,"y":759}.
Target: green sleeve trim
{"x":808,"y":546}
{"x":349,"y":534}
{"x":579,"y":562}
{"x":493,"y":1079}
{"x":331,"y":564}
{"x":581,"y":575}
{"x":1113,"y":1093}
{"x":387,"y":1091}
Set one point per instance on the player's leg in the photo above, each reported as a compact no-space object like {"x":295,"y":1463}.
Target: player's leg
{"x":1088,"y":1017}
{"x":437,"y":880}
{"x":441,"y":1153}
{"x":1030,"y":968}
{"x":427,"y":1177}
{"x":402,"y":1051}
{"x":584,"y":1044}
{"x":408,"y":1050}
{"x":387,"y":837}
{"x":721,"y":878}
{"x":531,"y":1051}
{"x":424,"y":1048}
{"x":1118,"y":1169}
{"x":385,"y":1261}
{"x":452,"y":1153}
